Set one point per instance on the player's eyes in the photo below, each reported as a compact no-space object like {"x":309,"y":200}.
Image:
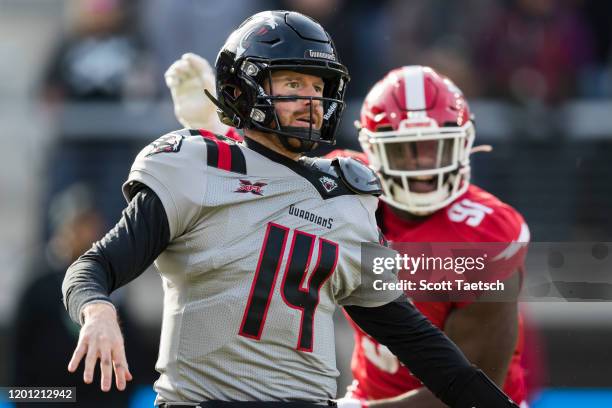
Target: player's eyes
{"x":298,"y":85}
{"x":293,"y":84}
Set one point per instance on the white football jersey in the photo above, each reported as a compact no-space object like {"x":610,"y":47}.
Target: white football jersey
{"x":261,"y":250}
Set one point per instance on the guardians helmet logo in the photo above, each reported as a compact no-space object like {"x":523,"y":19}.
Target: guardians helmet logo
{"x":320,"y":55}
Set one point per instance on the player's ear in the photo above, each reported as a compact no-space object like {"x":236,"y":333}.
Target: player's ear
{"x":237,"y":92}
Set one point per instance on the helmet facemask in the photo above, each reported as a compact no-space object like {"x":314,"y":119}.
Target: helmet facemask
{"x":423,"y":167}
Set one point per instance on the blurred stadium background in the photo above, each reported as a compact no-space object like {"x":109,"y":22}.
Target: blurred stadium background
{"x":81,"y":91}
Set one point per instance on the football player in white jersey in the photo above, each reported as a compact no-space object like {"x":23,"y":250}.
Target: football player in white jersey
{"x":256,"y":244}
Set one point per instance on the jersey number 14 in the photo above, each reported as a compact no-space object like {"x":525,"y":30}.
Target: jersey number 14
{"x":295,"y":294}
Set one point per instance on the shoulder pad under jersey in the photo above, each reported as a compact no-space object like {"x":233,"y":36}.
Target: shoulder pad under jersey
{"x":320,"y":164}
{"x":357,"y":176}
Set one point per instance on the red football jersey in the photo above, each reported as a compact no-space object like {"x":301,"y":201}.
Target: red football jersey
{"x":476,"y":216}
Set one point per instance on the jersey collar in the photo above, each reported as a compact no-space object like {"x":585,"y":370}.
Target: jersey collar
{"x":270,"y":154}
{"x":304,"y":167}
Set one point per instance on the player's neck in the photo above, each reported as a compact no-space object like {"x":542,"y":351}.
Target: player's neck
{"x":272,"y":142}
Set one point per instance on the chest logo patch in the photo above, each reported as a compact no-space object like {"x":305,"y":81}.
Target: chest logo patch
{"x":328,"y":184}
{"x":247,"y":187}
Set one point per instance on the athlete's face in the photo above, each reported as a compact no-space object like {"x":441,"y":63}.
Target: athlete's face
{"x":421,"y":155}
{"x":297,"y":112}
{"x":412,"y":155}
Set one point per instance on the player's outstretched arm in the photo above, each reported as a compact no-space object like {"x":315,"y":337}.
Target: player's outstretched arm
{"x":123,"y":254}
{"x":430,"y":355}
{"x":187,"y":78}
{"x":486,"y":333}
{"x":100,"y":339}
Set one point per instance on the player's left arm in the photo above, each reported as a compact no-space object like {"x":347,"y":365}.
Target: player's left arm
{"x":429,"y":354}
{"x":486,"y":332}
{"x":487,"y":329}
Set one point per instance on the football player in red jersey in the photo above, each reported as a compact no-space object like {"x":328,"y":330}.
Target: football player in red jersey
{"x":417,"y":132}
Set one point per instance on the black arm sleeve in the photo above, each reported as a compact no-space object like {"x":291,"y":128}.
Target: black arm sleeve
{"x":122,"y":255}
{"x":429,"y":354}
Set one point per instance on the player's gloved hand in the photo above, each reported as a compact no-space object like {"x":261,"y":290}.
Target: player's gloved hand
{"x":100,"y":338}
{"x":351,"y":399}
{"x":349,"y":402}
{"x":187,"y":78}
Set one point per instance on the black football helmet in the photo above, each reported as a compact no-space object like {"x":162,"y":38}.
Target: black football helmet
{"x":278,"y":40}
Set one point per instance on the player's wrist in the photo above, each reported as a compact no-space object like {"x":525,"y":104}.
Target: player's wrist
{"x":97,"y":309}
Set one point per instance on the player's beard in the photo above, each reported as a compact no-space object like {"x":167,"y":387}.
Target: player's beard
{"x":304,"y":134}
{"x":296,"y":144}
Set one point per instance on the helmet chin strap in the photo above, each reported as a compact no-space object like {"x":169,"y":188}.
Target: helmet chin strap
{"x":302,"y":135}
{"x":418,"y":199}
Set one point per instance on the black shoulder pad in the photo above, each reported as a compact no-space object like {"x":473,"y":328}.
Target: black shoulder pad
{"x":357,"y":176}
{"x":323,"y":165}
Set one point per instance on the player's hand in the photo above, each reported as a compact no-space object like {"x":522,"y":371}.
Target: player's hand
{"x":349,"y":402}
{"x":187,"y":78}
{"x":350,"y":399}
{"x":101,"y":339}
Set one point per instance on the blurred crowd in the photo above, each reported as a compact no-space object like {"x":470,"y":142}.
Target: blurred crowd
{"x":520,"y":50}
